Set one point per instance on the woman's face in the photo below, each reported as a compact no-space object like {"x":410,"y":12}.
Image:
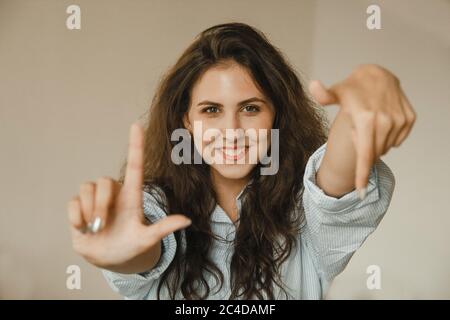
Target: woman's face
{"x":225,"y":97}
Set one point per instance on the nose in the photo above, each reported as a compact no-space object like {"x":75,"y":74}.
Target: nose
{"x":231,"y":121}
{"x":232,"y":131}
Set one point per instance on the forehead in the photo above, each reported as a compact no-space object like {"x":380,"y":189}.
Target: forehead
{"x":231,"y":82}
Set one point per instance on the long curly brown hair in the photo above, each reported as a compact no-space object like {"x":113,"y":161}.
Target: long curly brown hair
{"x":271,"y":215}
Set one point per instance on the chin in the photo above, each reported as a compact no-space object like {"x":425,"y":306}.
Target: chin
{"x":233,"y":171}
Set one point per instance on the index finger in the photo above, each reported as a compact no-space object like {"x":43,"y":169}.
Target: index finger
{"x":364,"y":137}
{"x":135,"y":164}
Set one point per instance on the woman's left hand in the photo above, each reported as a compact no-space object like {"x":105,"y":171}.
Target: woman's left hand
{"x":381,"y":114}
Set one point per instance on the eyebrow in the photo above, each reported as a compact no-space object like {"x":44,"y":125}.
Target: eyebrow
{"x":254,"y":99}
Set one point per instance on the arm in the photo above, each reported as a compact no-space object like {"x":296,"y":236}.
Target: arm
{"x":374,"y":116}
{"x":336,"y":227}
{"x":109,"y":229}
{"x":142,"y":262}
{"x":336,"y":175}
{"x":138,"y":285}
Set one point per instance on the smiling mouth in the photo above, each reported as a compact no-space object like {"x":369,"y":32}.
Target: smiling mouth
{"x":234,"y":153}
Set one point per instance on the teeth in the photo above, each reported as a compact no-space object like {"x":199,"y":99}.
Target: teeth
{"x":233,"y":152}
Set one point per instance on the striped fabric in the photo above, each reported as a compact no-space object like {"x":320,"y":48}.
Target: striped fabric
{"x":335,"y":228}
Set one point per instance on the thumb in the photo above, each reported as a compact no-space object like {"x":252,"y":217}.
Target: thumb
{"x":168,"y":225}
{"x":321,"y":94}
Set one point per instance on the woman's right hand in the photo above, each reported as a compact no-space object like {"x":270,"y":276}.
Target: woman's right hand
{"x":107,"y":220}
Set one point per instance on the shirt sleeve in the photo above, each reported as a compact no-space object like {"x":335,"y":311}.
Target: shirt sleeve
{"x":137,"y":286}
{"x":336,"y":227}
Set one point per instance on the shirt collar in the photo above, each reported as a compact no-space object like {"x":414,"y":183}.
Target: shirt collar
{"x":219,"y":215}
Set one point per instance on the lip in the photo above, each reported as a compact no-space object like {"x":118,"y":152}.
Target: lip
{"x":233,"y":147}
{"x":232,"y":153}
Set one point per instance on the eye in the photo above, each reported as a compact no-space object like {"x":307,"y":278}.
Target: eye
{"x":210,"y":109}
{"x":251,"y":108}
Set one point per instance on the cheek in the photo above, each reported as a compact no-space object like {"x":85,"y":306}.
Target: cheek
{"x":207,"y":135}
{"x":263,"y":120}
{"x":198,"y":128}
{"x":204,"y":132}
{"x":262,"y":139}
{"x":204,"y":138}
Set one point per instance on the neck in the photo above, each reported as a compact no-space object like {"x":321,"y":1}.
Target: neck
{"x":227,"y":190}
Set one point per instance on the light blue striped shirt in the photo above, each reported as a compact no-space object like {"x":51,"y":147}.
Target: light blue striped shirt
{"x":335,"y":228}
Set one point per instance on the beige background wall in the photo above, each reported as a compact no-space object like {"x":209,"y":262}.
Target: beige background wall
{"x":67,"y":99}
{"x":411,"y":245}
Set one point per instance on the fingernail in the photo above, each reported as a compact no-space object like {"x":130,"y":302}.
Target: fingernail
{"x":362,"y":193}
{"x":95,"y":226}
{"x":188,"y":222}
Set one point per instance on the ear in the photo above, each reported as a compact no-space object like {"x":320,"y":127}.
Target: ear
{"x":186,"y":122}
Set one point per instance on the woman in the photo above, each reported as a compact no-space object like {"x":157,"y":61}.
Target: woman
{"x":172,"y":230}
